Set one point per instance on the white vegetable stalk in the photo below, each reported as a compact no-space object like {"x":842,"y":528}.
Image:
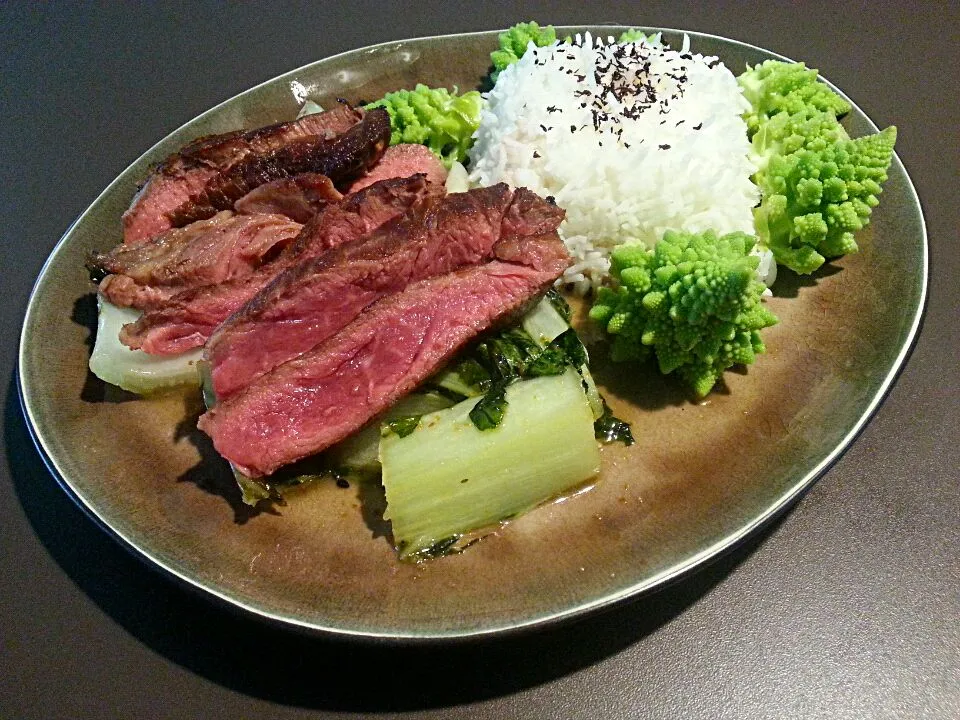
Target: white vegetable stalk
{"x":135,"y":370}
{"x":447,"y":478}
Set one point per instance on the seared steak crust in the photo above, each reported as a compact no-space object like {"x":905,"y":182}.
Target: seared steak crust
{"x":203,"y":253}
{"x":210,"y":174}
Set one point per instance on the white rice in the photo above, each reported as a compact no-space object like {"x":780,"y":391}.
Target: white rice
{"x":667,"y":148}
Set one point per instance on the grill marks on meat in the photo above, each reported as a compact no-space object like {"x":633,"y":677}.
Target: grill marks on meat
{"x":210,"y":174}
{"x":404,"y":160}
{"x":298,"y":198}
{"x":206,"y":252}
{"x":312,"y":300}
{"x":317,"y":399}
{"x":186,"y":320}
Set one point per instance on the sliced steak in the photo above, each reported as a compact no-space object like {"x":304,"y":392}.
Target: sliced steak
{"x":186,"y":320}
{"x":206,"y":252}
{"x":319,"y":398}
{"x":124,"y":291}
{"x":361,"y":213}
{"x":312,"y":300}
{"x":212,"y":173}
{"x":299,"y":197}
{"x":402,"y":161}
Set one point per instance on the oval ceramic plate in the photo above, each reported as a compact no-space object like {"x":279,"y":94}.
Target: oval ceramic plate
{"x":701,"y":476}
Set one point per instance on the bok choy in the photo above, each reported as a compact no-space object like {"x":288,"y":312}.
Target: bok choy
{"x":447,"y":478}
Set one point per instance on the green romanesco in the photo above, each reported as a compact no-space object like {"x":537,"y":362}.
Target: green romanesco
{"x":514,"y":42}
{"x":774,"y":87}
{"x":694,"y":301}
{"x":817,"y":186}
{"x":634,"y":35}
{"x":816,"y":198}
{"x":787,"y":133}
{"x":442,"y":120}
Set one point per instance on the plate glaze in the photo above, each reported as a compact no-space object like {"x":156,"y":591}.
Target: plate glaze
{"x":701,"y":476}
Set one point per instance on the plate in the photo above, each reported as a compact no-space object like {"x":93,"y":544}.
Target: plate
{"x":701,"y":477}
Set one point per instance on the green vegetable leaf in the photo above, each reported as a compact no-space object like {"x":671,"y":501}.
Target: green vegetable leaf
{"x":571,"y":346}
{"x":488,"y":413}
{"x":401,"y":426}
{"x":608,"y":428}
{"x":550,"y":361}
{"x":559,"y":304}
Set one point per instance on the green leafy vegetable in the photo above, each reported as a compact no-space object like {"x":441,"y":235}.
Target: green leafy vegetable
{"x":358,"y":453}
{"x":505,"y":357}
{"x":552,"y":360}
{"x":442,"y":120}
{"x":135,"y":370}
{"x":571,"y":346}
{"x":693,"y":300}
{"x":558,"y":303}
{"x":401,"y":426}
{"x":488,"y":412}
{"x":607,"y":428}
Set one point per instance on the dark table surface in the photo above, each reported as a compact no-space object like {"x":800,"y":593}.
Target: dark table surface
{"x":848,"y":607}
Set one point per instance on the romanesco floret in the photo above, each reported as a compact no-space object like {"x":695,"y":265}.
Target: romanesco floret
{"x":786,"y":133}
{"x":816,"y":198}
{"x":514,"y":42}
{"x":634,"y":35}
{"x":442,"y":120}
{"x":774,"y":87}
{"x":694,"y":301}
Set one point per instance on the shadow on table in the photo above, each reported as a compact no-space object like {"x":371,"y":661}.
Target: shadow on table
{"x":273,"y":663}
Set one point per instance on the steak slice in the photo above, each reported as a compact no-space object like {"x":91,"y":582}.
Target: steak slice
{"x":319,"y":398}
{"x":403,"y":160}
{"x":312,"y":300}
{"x":206,"y":252}
{"x":210,"y":174}
{"x":187,"y":319}
{"x":299,"y":197}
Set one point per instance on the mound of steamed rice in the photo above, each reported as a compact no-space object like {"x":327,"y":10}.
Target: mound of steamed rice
{"x":630,"y":139}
